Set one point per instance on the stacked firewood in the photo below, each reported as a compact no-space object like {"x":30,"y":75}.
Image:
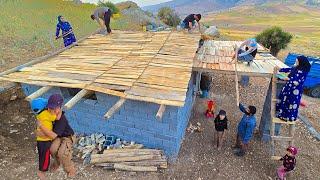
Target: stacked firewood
{"x":131,"y":159}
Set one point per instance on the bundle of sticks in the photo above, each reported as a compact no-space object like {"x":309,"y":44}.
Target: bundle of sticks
{"x":131,"y":159}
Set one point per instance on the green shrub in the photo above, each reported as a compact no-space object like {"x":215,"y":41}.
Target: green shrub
{"x":275,"y":39}
{"x":169,"y":16}
{"x":110,"y":5}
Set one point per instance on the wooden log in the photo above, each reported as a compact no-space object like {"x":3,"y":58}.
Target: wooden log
{"x":135,"y":168}
{"x":127,"y":154}
{"x":160,"y":112}
{"x":76,"y":99}
{"x":132,"y":150}
{"x":123,"y":159}
{"x":163,"y":164}
{"x":115,"y":108}
{"x":38,"y":93}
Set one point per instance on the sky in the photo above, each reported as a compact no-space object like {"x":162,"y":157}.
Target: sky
{"x":141,"y":3}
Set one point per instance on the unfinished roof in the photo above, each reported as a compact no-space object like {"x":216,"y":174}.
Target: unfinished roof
{"x":152,"y":67}
{"x":215,"y":56}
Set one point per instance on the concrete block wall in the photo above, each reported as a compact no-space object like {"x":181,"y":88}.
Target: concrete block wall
{"x":135,"y":121}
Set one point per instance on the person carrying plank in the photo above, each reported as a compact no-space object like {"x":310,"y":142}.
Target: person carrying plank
{"x":67,"y":32}
{"x":103,"y":13}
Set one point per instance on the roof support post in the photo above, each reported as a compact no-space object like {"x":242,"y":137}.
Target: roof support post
{"x":160,"y":113}
{"x":76,"y":99}
{"x":115,"y":108}
{"x":38,"y":93}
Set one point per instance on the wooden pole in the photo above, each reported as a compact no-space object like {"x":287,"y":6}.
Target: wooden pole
{"x":236,"y":78}
{"x":115,"y":108}
{"x":272,"y":109}
{"x":161,"y":112}
{"x":76,"y":99}
{"x":38,"y":93}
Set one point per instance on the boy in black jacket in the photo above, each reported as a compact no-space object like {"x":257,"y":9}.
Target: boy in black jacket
{"x":221,"y":124}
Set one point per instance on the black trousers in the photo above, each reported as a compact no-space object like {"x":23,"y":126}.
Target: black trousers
{"x":107,"y":17}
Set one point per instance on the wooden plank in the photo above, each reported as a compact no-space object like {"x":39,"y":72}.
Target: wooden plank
{"x":281,"y":138}
{"x":115,"y":108}
{"x":124,"y":167}
{"x":155,"y":100}
{"x":279,"y":121}
{"x":38,"y":93}
{"x":76,"y":98}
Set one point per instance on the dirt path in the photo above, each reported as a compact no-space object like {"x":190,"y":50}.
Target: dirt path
{"x":198,"y":159}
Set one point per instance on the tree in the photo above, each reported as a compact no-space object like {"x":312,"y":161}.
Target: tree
{"x":169,"y":16}
{"x":110,"y":5}
{"x":275,"y":39}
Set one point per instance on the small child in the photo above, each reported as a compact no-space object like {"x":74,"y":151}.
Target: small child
{"x":45,"y":117}
{"x":289,"y":162}
{"x":210,"y":109}
{"x":221,"y":124}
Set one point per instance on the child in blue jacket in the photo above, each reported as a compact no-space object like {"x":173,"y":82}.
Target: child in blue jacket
{"x":245,"y":129}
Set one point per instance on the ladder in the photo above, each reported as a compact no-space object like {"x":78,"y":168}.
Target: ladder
{"x":274,"y":120}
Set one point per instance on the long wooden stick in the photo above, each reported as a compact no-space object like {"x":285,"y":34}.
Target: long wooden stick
{"x":115,"y":108}
{"x":38,"y":93}
{"x":76,"y":99}
{"x":236,"y":78}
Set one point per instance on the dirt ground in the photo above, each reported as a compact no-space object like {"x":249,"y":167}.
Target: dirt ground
{"x":198,"y":159}
{"x":312,"y":111}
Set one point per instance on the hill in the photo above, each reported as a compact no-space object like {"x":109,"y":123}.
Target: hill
{"x":202,"y":6}
{"x":27,"y":28}
{"x":247,"y":21}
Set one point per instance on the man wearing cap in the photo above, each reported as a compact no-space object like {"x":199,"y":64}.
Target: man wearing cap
{"x":63,"y":135}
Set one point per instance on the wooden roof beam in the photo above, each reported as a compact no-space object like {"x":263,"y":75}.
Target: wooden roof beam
{"x":38,"y":93}
{"x":160,"y":113}
{"x":76,"y":98}
{"x":115,"y":108}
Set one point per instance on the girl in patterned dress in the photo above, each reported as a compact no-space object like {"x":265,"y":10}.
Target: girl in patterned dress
{"x":290,"y":96}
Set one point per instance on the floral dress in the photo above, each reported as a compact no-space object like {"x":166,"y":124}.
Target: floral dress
{"x":290,"y":96}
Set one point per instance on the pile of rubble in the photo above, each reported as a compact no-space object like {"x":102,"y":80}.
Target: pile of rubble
{"x":113,"y":153}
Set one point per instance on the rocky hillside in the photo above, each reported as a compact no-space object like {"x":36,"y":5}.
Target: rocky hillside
{"x":201,"y":6}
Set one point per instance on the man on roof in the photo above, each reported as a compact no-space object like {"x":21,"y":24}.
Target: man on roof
{"x":103,"y":13}
{"x":189,"y":21}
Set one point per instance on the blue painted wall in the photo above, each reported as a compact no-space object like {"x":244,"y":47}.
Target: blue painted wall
{"x":135,"y":121}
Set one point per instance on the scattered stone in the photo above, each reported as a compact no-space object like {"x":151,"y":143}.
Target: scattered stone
{"x":13,"y":131}
{"x":13,"y":97}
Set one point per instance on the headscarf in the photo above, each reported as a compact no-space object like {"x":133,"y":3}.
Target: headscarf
{"x":59,"y":19}
{"x":65,"y":26}
{"x":304,"y":64}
